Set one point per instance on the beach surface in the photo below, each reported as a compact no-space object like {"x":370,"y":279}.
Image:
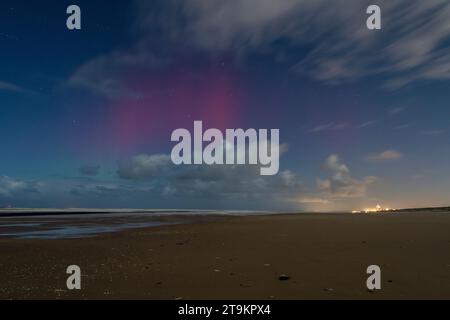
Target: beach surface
{"x":302,"y":256}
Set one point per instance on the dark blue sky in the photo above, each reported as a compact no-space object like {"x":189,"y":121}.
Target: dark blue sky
{"x":86,"y":115}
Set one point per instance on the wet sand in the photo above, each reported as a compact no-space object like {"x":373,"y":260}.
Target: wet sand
{"x":325,"y":256}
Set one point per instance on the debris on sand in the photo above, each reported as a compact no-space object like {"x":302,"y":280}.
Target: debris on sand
{"x":284,"y":277}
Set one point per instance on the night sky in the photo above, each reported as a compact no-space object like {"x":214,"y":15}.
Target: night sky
{"x":86,"y":115}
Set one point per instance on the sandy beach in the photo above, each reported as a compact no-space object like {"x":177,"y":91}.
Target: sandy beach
{"x":323,"y":256}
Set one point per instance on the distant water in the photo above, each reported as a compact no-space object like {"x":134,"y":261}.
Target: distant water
{"x":72,"y":224}
{"x":117,"y":212}
{"x":67,"y":231}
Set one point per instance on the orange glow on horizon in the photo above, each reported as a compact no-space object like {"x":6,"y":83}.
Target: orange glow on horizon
{"x":377,"y":208}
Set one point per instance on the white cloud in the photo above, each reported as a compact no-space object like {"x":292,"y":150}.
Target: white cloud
{"x":403,"y":126}
{"x":10,"y":187}
{"x":206,"y":182}
{"x":107,"y":75}
{"x":396,"y":110}
{"x":6,"y":86}
{"x":410,"y":47}
{"x":144,"y":166}
{"x":336,"y":126}
{"x":331,"y":126}
{"x":89,"y":170}
{"x":312,"y":200}
{"x":366,"y":124}
{"x":105,"y":189}
{"x":387,"y":155}
{"x":434,"y":132}
{"x":341,"y":184}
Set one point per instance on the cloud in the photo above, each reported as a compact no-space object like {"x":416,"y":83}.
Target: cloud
{"x":235,"y":182}
{"x":312,"y":200}
{"x":329,"y":127}
{"x":10,"y":187}
{"x":155,"y":183}
{"x":434,"y":132}
{"x":403,"y":126}
{"x":99,"y":189}
{"x":6,"y":86}
{"x":152,"y":181}
{"x":387,"y":155}
{"x":411,"y":46}
{"x":366,"y":124}
{"x":396,"y":110}
{"x":107,"y":75}
{"x":341,"y":184}
{"x":418,"y":176}
{"x":90,"y":170}
{"x":144,"y":166}
{"x":333,"y":126}
{"x":207,"y":183}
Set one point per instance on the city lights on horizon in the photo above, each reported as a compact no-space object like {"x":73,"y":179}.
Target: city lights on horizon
{"x":376,"y":209}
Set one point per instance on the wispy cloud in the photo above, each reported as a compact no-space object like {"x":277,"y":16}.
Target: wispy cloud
{"x":408,"y":49}
{"x":311,"y":200}
{"x":434,"y":132}
{"x":106,"y":74}
{"x":418,"y":176}
{"x":7,"y":86}
{"x":388,"y":155}
{"x":365,"y":124}
{"x":335,"y":126}
{"x":396,"y":110}
{"x":403,"y":126}
{"x":329,"y":127}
